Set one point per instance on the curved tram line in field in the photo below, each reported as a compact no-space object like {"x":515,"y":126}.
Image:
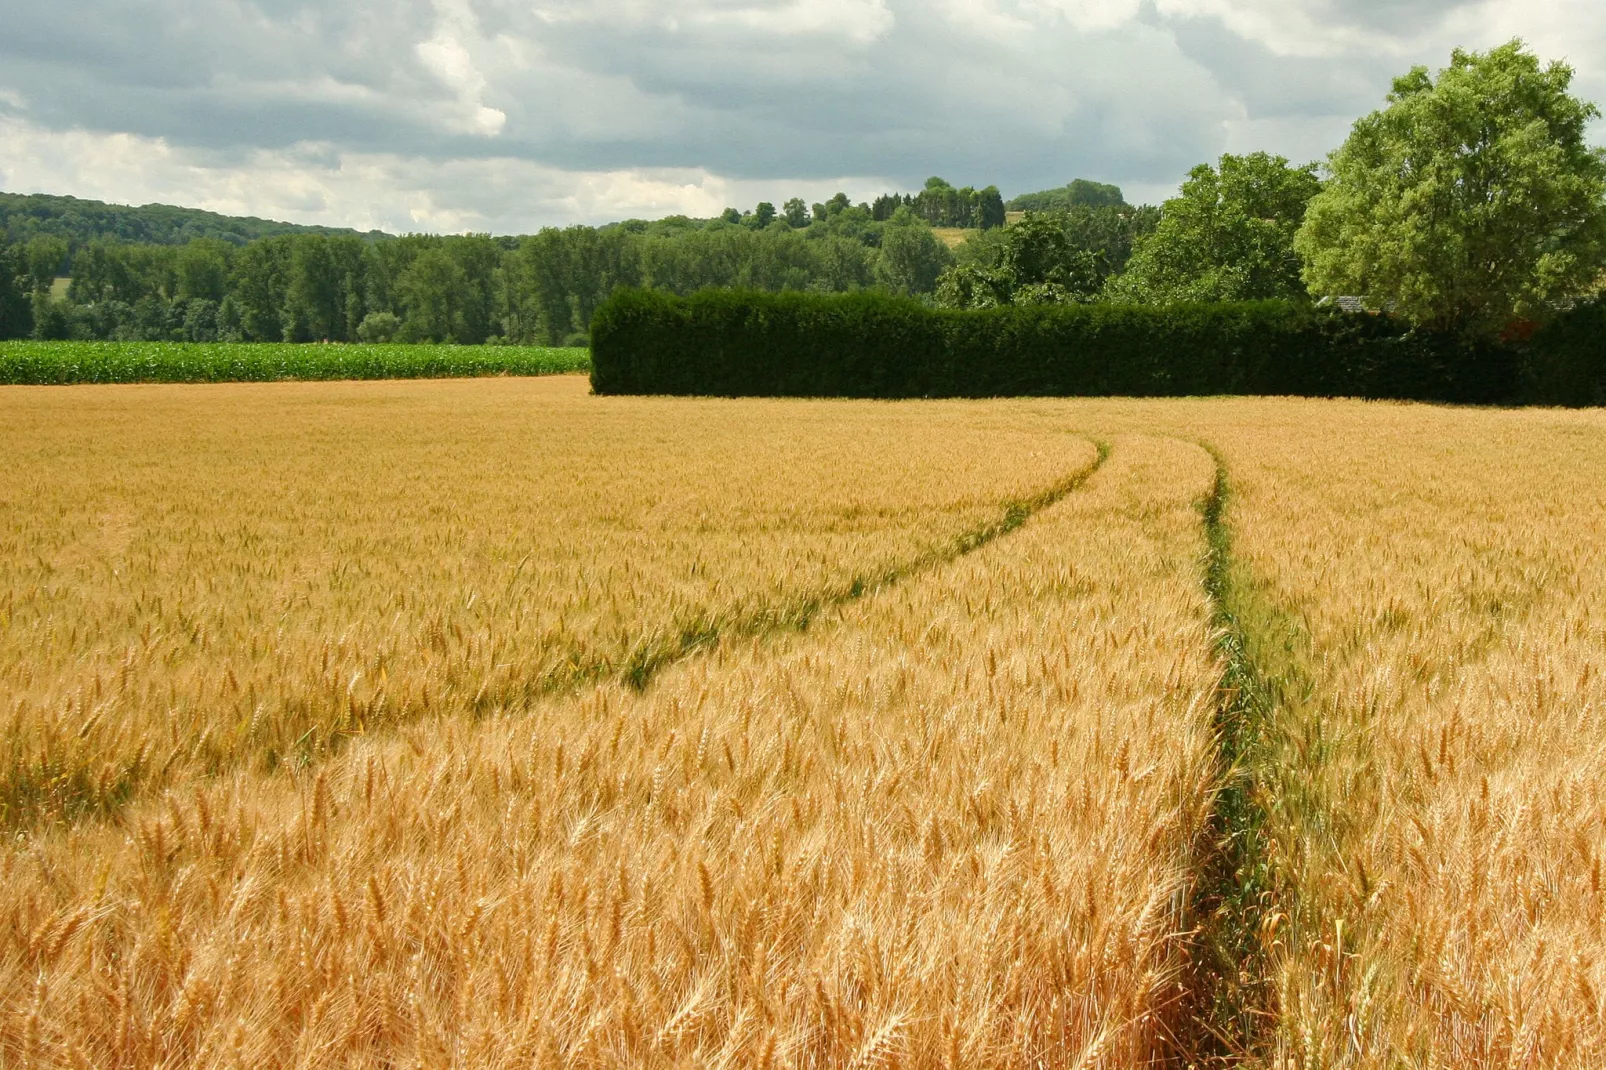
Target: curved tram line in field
{"x":650,"y":656}
{"x":653,"y":656}
{"x":191,"y":585}
{"x":955,"y":829}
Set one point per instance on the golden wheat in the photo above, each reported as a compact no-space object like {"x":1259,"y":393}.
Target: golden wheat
{"x":1433,"y":586}
{"x":1422,"y":587}
{"x":198,"y":576}
{"x":955,"y":822}
{"x":953,"y":825}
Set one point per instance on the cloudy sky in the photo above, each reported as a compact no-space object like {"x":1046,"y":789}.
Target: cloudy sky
{"x":508,"y":115}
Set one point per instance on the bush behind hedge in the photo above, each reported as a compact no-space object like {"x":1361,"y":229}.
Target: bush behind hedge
{"x":872,"y":345}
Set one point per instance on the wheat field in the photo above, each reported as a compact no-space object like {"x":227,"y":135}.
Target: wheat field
{"x":493,"y":724}
{"x":196,"y":577}
{"x":1421,"y":589}
{"x":1434,"y":597}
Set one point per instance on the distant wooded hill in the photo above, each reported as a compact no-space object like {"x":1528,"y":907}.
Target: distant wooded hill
{"x":79,"y":222}
{"x":1080,"y":192}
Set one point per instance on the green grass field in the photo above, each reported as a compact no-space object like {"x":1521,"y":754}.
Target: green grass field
{"x":51,"y":363}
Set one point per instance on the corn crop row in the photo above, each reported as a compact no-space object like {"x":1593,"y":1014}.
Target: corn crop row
{"x":57,"y":363}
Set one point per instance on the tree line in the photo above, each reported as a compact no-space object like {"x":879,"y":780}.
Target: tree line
{"x":941,"y":205}
{"x":1080,"y":193}
{"x":1470,"y":204}
{"x":470,"y":289}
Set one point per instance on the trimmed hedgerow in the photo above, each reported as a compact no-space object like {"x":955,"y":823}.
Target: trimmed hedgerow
{"x":1565,"y":363}
{"x":872,"y":345}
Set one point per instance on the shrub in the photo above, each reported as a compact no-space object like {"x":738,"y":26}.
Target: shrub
{"x":378,"y":327}
{"x":874,"y":345}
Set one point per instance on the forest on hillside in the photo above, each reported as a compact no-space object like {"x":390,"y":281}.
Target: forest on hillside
{"x":79,"y":222}
{"x":471,"y":289}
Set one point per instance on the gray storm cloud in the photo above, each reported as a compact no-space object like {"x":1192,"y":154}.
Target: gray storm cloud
{"x":451,"y":114}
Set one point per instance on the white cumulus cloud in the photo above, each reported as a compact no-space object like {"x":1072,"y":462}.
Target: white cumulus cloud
{"x":449,"y":59}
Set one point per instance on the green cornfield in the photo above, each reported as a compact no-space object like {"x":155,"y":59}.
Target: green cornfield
{"x":51,"y":363}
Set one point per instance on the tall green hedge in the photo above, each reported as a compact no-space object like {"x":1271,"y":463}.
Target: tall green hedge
{"x":735,"y":343}
{"x":1565,"y":363}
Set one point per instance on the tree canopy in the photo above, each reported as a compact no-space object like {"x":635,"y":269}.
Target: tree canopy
{"x":1469,"y":201}
{"x":79,"y":222}
{"x":1228,"y":236}
{"x":941,"y":205}
{"x":463,"y":288}
{"x":1059,"y":257}
{"x":1080,"y":193}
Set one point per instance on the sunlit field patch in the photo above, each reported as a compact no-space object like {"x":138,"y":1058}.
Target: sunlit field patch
{"x":199,"y":577}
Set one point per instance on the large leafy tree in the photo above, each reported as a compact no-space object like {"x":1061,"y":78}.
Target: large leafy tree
{"x":313,"y":303}
{"x":259,"y":286}
{"x":1045,"y":258}
{"x":202,"y":267}
{"x":1228,"y":236}
{"x":432,"y":289}
{"x":1471,"y":200}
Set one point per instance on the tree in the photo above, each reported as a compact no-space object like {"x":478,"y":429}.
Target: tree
{"x":203,"y":269}
{"x":886,"y":206}
{"x":432,"y":289}
{"x":51,"y":321}
{"x":313,"y":302}
{"x":259,"y":285}
{"x":731,"y":215}
{"x":477,"y":257}
{"x":378,"y":327}
{"x":1469,"y":201}
{"x":16,"y":313}
{"x":1036,"y":261}
{"x":1039,"y":252}
{"x":990,"y":209}
{"x":200,"y":319}
{"x":797,"y":213}
{"x":972,"y":286}
{"x":1080,"y":193}
{"x":46,"y":257}
{"x":912,"y":259}
{"x":763,"y":215}
{"x":1229,"y":235}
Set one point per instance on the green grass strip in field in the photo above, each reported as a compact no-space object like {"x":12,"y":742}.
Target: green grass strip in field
{"x":51,"y":363}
